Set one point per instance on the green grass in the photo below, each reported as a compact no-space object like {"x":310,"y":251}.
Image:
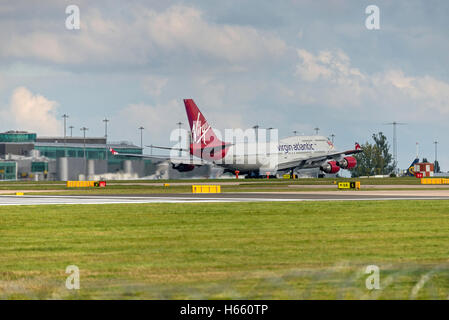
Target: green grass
{"x":225,"y":189}
{"x":313,"y":181}
{"x":302,"y":250}
{"x":320,"y":181}
{"x":245,"y":185}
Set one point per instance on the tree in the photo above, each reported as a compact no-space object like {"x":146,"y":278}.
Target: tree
{"x":437,"y":168}
{"x":375,"y":158}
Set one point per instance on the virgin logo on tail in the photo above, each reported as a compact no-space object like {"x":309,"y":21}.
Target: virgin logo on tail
{"x":199,"y":131}
{"x":113,"y":151}
{"x":205,"y":143}
{"x":357,"y":146}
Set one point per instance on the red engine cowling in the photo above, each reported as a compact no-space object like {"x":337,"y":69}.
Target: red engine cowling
{"x":347,"y":163}
{"x":330,"y":167}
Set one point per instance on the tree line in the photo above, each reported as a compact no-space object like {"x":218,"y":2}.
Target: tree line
{"x":375,"y":159}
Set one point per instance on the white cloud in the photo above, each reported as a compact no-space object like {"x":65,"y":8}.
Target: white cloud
{"x":158,"y":125}
{"x":185,"y":28}
{"x":33,"y":113}
{"x":152,"y":117}
{"x":43,"y":46}
{"x":329,"y":79}
{"x":153,"y":85}
{"x":334,"y":67}
{"x":426,"y":93}
{"x":211,"y":90}
{"x":176,"y":33}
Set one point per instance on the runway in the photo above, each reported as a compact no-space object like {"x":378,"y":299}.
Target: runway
{"x":6,"y":200}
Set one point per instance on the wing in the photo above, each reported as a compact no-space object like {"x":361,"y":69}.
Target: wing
{"x":167,"y":148}
{"x":204,"y":150}
{"x":176,"y":160}
{"x":317,"y":159}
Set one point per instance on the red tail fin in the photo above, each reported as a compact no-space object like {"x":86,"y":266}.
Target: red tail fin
{"x":205,"y":144}
{"x":202,"y":133}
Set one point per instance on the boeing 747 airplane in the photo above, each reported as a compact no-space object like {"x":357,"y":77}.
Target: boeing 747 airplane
{"x":285,"y":155}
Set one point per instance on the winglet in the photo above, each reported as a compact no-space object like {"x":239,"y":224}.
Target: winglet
{"x":357,"y":146}
{"x":113,"y":151}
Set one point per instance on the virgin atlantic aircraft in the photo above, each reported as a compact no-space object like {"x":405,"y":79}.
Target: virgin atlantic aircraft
{"x":284,"y":155}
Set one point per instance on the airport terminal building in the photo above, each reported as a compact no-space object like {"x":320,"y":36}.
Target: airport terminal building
{"x":24,"y":155}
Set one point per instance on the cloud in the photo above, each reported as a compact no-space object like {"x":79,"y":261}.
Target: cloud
{"x":33,"y":113}
{"x":153,"y":85}
{"x":160,"y":119}
{"x":185,"y":27}
{"x":334,"y":67}
{"x":426,"y":93}
{"x":179,"y":33}
{"x":152,"y":117}
{"x":328,"y":78}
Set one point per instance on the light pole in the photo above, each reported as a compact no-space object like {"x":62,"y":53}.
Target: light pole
{"x":84,"y":129}
{"x":436,"y":161}
{"x":256,"y":130}
{"x":179,"y":137}
{"x":316,"y":130}
{"x":270,"y":144}
{"x":71,"y":128}
{"x":65,"y":116}
{"x":332,"y":136}
{"x":105,"y":120}
{"x":295,"y":132}
{"x":141,"y":137}
{"x":395,"y":144}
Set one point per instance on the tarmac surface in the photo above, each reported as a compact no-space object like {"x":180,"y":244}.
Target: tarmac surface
{"x":222,"y":197}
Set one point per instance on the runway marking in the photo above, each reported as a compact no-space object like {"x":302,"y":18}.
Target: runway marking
{"x":8,"y":200}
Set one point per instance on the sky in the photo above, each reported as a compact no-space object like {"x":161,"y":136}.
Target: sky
{"x":291,"y":65}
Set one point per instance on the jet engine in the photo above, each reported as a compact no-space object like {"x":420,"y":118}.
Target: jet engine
{"x":182,"y":167}
{"x":330,"y":167}
{"x":347,"y":163}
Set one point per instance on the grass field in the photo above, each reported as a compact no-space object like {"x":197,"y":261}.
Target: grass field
{"x":229,"y":185}
{"x":304,"y":250}
{"x":253,"y":182}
